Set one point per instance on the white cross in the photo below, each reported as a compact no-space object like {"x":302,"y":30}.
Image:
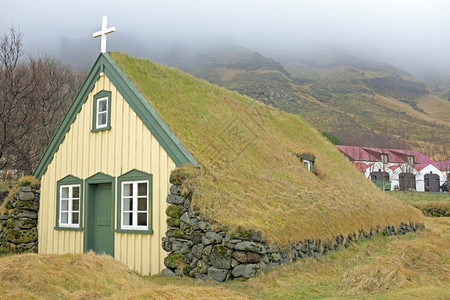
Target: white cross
{"x":103,"y":33}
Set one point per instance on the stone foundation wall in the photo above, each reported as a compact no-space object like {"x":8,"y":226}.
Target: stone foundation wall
{"x":18,"y":221}
{"x":435,"y":209}
{"x":202,"y":249}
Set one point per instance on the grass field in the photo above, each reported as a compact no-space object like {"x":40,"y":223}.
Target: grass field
{"x":420,"y":197}
{"x":414,"y":266}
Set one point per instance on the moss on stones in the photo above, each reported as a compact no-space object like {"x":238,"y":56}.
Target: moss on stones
{"x":20,"y":236}
{"x":175,"y":233}
{"x":9,"y":205}
{"x":173,"y":211}
{"x":240,"y":233}
{"x":174,"y":260}
{"x":221,"y":251}
{"x":10,"y":223}
{"x":173,"y":222}
{"x":28,"y":204}
{"x":186,"y":270}
{"x":180,"y":175}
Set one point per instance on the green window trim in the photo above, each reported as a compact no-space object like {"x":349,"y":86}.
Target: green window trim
{"x":135,"y":176}
{"x":69,"y":180}
{"x":100,"y":96}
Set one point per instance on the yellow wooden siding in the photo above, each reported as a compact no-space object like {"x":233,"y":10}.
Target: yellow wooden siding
{"x":127,"y":145}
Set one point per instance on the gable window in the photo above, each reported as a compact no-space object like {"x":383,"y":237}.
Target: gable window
{"x":101,"y":119}
{"x":69,"y":203}
{"x":134,"y":202}
{"x":102,"y":113}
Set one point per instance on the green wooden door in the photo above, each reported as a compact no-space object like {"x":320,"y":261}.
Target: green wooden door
{"x":99,"y":229}
{"x":103,"y":223}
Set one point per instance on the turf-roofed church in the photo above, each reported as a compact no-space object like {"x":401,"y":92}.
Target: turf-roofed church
{"x":105,"y":177}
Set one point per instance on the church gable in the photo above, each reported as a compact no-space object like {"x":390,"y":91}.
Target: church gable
{"x":106,"y":67}
{"x":109,"y":149}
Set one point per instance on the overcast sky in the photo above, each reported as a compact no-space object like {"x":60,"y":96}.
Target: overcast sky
{"x":403,"y":31}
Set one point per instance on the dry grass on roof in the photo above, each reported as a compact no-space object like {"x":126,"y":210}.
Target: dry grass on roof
{"x":249,"y":174}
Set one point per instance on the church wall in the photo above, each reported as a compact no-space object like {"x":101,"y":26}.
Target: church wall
{"x":127,"y":145}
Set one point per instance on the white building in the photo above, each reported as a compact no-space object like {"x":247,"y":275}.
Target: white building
{"x":394,"y":169}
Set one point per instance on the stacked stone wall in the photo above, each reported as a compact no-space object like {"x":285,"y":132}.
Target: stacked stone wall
{"x":435,"y":209}
{"x":201,"y":249}
{"x":18,"y":221}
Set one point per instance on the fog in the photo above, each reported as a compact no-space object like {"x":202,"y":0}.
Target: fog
{"x":410,"y":34}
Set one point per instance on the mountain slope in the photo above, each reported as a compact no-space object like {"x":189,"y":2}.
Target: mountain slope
{"x":362,"y":102}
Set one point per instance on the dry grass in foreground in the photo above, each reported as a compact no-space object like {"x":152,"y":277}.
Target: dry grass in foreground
{"x":414,"y":266}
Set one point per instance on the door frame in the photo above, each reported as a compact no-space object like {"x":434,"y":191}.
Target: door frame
{"x":95,"y":179}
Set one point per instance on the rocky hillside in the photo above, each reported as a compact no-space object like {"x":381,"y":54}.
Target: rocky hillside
{"x":363,"y":102}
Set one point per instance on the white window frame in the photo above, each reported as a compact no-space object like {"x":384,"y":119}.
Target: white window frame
{"x":106,"y":112}
{"x":307,"y":164}
{"x":134,"y":211}
{"x":70,"y":209}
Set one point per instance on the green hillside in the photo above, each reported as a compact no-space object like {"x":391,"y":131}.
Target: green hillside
{"x":363,"y":102}
{"x":250,"y":175}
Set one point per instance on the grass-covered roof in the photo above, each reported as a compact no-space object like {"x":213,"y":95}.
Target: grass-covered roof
{"x":250,"y":175}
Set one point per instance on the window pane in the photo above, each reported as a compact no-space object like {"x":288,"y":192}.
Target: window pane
{"x":102,"y":105}
{"x":127,"y":204}
{"x":142,"y":189}
{"x":75,"y":218}
{"x":102,"y":119}
{"x":65,"y":192}
{"x":75,"y":205}
{"x":64,"y":205}
{"x":128,"y":189}
{"x":127,"y":219}
{"x":142,"y":219}
{"x":142,"y":204}
{"x":64,"y":218}
{"x":76,"y":192}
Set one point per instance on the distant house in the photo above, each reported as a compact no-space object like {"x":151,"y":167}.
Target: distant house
{"x":444,"y":167}
{"x":396,"y":169}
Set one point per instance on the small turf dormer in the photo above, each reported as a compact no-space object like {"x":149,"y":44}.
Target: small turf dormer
{"x":308,"y":160}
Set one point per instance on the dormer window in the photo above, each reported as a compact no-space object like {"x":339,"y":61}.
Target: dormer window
{"x":308,"y":160}
{"x":384,"y":158}
{"x":102,"y":111}
{"x":411,"y":159}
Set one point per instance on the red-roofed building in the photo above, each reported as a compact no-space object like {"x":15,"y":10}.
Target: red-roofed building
{"x":362,"y":166}
{"x":444,"y":167}
{"x":397,"y":169}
